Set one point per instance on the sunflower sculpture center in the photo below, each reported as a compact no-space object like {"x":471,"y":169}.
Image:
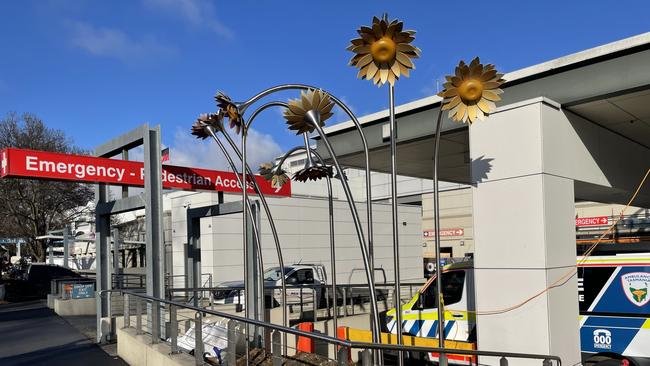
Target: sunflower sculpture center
{"x":471,"y":91}
{"x":383,"y":50}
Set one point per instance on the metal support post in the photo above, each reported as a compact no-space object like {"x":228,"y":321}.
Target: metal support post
{"x":102,"y":268}
{"x":67,"y":235}
{"x":198,"y":338}
{"x":193,"y":277}
{"x":153,"y":222}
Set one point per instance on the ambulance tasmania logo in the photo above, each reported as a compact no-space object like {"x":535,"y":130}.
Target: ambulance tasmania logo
{"x":635,"y":286}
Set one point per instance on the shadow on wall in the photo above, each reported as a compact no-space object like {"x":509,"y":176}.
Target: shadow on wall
{"x":480,"y":168}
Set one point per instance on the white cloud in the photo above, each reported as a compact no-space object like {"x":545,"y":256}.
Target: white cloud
{"x":186,"y":150}
{"x":114,"y":43}
{"x":197,"y":13}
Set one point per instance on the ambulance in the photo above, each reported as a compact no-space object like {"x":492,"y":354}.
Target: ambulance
{"x":613,"y":300}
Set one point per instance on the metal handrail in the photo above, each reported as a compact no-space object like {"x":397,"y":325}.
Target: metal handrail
{"x":336,"y":341}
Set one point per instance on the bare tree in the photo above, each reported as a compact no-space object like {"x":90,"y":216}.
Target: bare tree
{"x":31,"y":207}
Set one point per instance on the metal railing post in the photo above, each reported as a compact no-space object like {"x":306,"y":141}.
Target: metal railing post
{"x":231,"y":356}
{"x":315,"y":302}
{"x":173,"y":329}
{"x":342,"y":356}
{"x":276,"y":348}
{"x":138,"y":316}
{"x":503,"y":361}
{"x":198,"y":338}
{"x":301,"y":307}
{"x":155,"y":322}
{"x":126,"y":311}
{"x":345,"y":301}
{"x":111,"y":317}
{"x":366,"y":358}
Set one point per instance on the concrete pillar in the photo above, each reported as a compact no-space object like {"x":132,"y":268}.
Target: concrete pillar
{"x":524,"y":239}
{"x":50,"y":253}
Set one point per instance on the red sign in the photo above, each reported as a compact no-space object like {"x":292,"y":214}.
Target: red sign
{"x":79,"y":168}
{"x":445,"y":232}
{"x":592,"y":221}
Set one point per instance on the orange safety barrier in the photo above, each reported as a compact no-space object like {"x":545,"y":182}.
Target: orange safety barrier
{"x":342,"y":333}
{"x":305,"y":344}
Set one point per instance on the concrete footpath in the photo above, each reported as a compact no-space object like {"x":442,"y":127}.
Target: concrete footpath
{"x":32,"y":334}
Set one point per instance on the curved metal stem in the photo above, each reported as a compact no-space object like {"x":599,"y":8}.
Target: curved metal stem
{"x":436,"y":217}
{"x":249,"y":207}
{"x":330,"y":202}
{"x":244,"y":106}
{"x":267,"y":211}
{"x":362,"y":242}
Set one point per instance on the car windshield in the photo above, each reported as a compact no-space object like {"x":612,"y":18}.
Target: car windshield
{"x":274,"y":274}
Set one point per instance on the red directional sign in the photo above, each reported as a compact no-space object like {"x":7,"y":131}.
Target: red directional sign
{"x":445,"y":232}
{"x":79,"y":168}
{"x":592,"y":221}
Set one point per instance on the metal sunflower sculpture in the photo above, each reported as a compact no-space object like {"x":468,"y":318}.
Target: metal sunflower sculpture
{"x":383,"y":52}
{"x":276,"y":175}
{"x":313,"y":172}
{"x":469,"y":95}
{"x":214,"y":120}
{"x":230,"y":110}
{"x":316,"y":101}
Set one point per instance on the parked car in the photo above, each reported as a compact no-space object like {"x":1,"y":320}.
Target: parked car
{"x":35,"y":281}
{"x":301,"y":280}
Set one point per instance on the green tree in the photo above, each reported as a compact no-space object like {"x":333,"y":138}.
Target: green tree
{"x":31,"y":207}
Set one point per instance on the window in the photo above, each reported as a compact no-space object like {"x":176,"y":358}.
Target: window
{"x":303,"y":276}
{"x":274,"y":274}
{"x":452,"y":290}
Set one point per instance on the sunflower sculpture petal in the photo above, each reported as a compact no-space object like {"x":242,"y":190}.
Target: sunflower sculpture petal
{"x":276,"y":175}
{"x":229,"y":109}
{"x":310,"y":100}
{"x":383,"y":52}
{"x":214,"y":120}
{"x":470,"y":94}
{"x":313,"y":172}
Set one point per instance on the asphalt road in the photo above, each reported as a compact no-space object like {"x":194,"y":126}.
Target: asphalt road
{"x":32,"y":334}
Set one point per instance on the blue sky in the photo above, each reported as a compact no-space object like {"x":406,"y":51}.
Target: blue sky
{"x":96,"y":69}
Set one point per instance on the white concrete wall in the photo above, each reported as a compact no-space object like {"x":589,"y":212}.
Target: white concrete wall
{"x":303,"y":228}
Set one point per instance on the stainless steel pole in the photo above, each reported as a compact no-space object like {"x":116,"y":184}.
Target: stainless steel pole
{"x":436,"y":217}
{"x":248,"y":301}
{"x":393,"y":192}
